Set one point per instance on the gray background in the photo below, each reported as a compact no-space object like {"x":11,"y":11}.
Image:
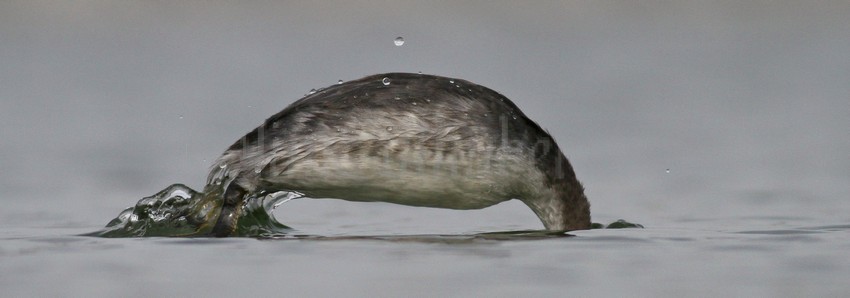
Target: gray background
{"x":747,"y":103}
{"x":741,"y":100}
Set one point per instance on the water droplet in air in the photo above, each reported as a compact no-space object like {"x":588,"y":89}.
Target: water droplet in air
{"x":667,"y":171}
{"x":399,"y":41}
{"x":339,"y":82}
{"x":180,"y":116}
{"x":451,"y":81}
{"x":389,"y":128}
{"x":420,"y":72}
{"x":386,"y":81}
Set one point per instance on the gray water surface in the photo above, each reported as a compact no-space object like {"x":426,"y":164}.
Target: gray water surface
{"x":722,"y":127}
{"x":661,"y":261}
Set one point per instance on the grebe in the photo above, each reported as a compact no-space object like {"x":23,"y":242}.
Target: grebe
{"x":409,"y":139}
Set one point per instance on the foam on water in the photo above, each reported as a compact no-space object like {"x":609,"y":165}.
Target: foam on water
{"x":180,"y":211}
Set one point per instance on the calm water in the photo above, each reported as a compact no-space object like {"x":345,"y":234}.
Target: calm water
{"x":785,"y":261}
{"x":719,"y":126}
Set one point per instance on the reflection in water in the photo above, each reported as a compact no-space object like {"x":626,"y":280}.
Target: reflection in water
{"x":619,"y":224}
{"x":179,"y":211}
{"x":439,"y":238}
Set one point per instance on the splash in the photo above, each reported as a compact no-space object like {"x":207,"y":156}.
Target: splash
{"x":179,"y":211}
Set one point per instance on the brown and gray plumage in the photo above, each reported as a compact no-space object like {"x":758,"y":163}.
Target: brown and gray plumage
{"x":410,"y":139}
